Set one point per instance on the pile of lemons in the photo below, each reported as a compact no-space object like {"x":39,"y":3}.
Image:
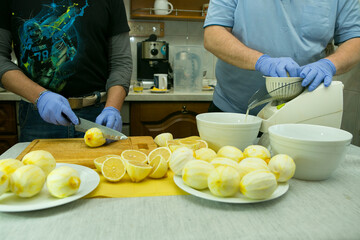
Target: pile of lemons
{"x":27,"y":177}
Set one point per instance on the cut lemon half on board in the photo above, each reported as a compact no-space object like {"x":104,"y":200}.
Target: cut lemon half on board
{"x":160,"y":167}
{"x":98,"y":162}
{"x":137,"y":171}
{"x":134,"y":155}
{"x":161,"y":139}
{"x":113,"y":169}
{"x":160,"y":151}
{"x":190,"y":143}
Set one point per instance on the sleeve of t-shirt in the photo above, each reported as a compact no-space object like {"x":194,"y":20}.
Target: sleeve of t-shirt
{"x":118,"y":17}
{"x":347,"y":24}
{"x":221,"y":12}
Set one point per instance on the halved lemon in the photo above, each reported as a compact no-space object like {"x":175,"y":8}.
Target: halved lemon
{"x":165,"y":152}
{"x":113,"y":169}
{"x":98,"y":162}
{"x":134,"y":155}
{"x":161,"y":139}
{"x":137,"y":171}
{"x":160,"y":167}
{"x":203,"y":143}
{"x":190,"y":143}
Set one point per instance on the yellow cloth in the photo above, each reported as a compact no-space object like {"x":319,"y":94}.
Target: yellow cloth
{"x":126,"y":188}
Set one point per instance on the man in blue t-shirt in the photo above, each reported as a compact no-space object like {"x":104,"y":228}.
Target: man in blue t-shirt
{"x":276,"y":38}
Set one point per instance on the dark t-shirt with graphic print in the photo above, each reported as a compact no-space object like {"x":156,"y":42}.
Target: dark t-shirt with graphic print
{"x":63,"y":44}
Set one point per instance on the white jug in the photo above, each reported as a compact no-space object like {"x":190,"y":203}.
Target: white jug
{"x":163,"y":7}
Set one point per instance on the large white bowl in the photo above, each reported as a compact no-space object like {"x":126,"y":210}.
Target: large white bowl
{"x":316,"y":150}
{"x":221,"y":129}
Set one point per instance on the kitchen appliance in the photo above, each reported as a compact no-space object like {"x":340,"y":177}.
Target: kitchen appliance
{"x":152,"y":58}
{"x":188,"y":70}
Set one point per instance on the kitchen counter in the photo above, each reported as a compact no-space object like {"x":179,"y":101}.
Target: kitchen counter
{"x":309,"y":210}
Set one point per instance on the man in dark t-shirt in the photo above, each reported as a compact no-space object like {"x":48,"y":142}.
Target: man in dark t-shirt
{"x":68,"y":51}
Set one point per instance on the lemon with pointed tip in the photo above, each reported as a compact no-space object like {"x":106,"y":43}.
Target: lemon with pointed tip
{"x":258,"y":184}
{"x":179,"y":158}
{"x":63,"y":182}
{"x":162,"y":138}
{"x":248,"y":165}
{"x":137,"y":171}
{"x":27,"y":181}
{"x":206,"y":154}
{"x":223,"y":181}
{"x":230,"y":152}
{"x":283,"y":166}
{"x":94,"y":137}
{"x":4,"y":183}
{"x":41,"y":158}
{"x":257,"y":151}
{"x":195,"y":174}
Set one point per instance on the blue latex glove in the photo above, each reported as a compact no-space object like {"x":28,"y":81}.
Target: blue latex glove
{"x":277,"y":67}
{"x":111,"y":118}
{"x":316,"y":73}
{"x":54,"y":108}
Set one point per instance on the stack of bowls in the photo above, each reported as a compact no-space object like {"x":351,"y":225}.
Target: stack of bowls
{"x":317,"y":150}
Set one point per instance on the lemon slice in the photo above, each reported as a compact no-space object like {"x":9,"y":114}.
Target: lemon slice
{"x":165,"y":152}
{"x":113,"y":169}
{"x":161,"y":139}
{"x":160,"y":167}
{"x":137,"y":171}
{"x":100,"y":160}
{"x":134,"y":155}
{"x":257,"y":151}
{"x":231,"y":152}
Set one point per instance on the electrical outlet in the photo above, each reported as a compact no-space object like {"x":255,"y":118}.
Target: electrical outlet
{"x":145,"y":29}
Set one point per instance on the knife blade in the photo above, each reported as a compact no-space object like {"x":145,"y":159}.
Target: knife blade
{"x":108,"y":133}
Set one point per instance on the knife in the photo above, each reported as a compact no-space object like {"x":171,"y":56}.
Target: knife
{"x":108,"y":133}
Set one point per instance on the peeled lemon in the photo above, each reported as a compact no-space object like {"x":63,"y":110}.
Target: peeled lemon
{"x":257,"y":151}
{"x":42,"y":159}
{"x":221,"y":161}
{"x":206,"y":154}
{"x":161,"y":139}
{"x":251,"y":164}
{"x":195,"y":173}
{"x":179,"y":158}
{"x":94,"y":137}
{"x":98,"y":162}
{"x":258,"y":184}
{"x":283,"y":166}
{"x":160,"y":167}
{"x":137,"y":171}
{"x":223,"y":181}
{"x":113,"y":169}
{"x":27,"y":181}
{"x":63,"y":182}
{"x":230,"y":152}
{"x":4,"y":183}
{"x":8,"y":166}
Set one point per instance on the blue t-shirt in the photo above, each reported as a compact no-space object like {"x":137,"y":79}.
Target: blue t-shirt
{"x":300,"y":29}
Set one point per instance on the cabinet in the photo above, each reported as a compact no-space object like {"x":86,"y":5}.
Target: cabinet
{"x":183,"y":10}
{"x":8,"y":126}
{"x":153,"y":118}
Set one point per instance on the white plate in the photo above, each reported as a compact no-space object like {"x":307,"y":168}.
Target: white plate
{"x":90,"y":179}
{"x":238,"y":198}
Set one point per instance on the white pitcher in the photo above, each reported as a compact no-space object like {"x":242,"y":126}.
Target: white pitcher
{"x":163,"y":7}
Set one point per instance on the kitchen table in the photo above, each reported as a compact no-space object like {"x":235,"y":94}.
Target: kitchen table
{"x":327,"y":209}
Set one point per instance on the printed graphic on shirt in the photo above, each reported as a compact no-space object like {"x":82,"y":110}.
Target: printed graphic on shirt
{"x":49,"y":44}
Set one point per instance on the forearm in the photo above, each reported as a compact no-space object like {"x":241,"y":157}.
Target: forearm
{"x":219,"y":41}
{"x":115,"y":97}
{"x":346,"y":56}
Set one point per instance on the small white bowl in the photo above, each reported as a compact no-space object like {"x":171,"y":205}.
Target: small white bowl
{"x":223,"y":128}
{"x":317,"y":150}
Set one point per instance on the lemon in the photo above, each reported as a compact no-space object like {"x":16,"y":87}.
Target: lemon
{"x":230,"y":152}
{"x":113,"y":169}
{"x":137,"y":171}
{"x":283,"y":166}
{"x":195,"y":174}
{"x":258,"y":184}
{"x":161,"y":139}
{"x":98,"y":162}
{"x":221,"y":161}
{"x":94,"y":137}
{"x":257,"y":151}
{"x":206,"y":154}
{"x":251,"y":164}
{"x":4,"y":183}
{"x":8,"y":166}
{"x":63,"y":182}
{"x":165,"y":152}
{"x":27,"y":181}
{"x":173,"y":145}
{"x":179,"y":158}
{"x":190,"y":143}
{"x":134,"y":155}
{"x":223,"y":181}
{"x":159,"y":167}
{"x":42,"y":159}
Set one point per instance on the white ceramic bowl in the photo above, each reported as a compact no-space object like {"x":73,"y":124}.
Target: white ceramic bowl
{"x":316,"y":150}
{"x":222,"y":128}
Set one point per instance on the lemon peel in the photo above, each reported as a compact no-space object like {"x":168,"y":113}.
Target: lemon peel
{"x":63,"y":182}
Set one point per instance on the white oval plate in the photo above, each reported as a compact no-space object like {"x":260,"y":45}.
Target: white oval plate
{"x":90,"y":179}
{"x":238,"y":198}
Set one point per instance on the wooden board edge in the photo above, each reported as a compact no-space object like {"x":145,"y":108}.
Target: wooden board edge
{"x":27,"y":149}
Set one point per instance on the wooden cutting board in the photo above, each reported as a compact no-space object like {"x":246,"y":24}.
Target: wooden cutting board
{"x":74,"y":150}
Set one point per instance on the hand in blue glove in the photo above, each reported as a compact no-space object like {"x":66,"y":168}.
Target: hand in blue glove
{"x":54,"y":108}
{"x":277,"y":67}
{"x":111,"y":118}
{"x":316,"y":73}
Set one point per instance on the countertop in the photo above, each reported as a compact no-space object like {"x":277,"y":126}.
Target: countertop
{"x":327,"y":209}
